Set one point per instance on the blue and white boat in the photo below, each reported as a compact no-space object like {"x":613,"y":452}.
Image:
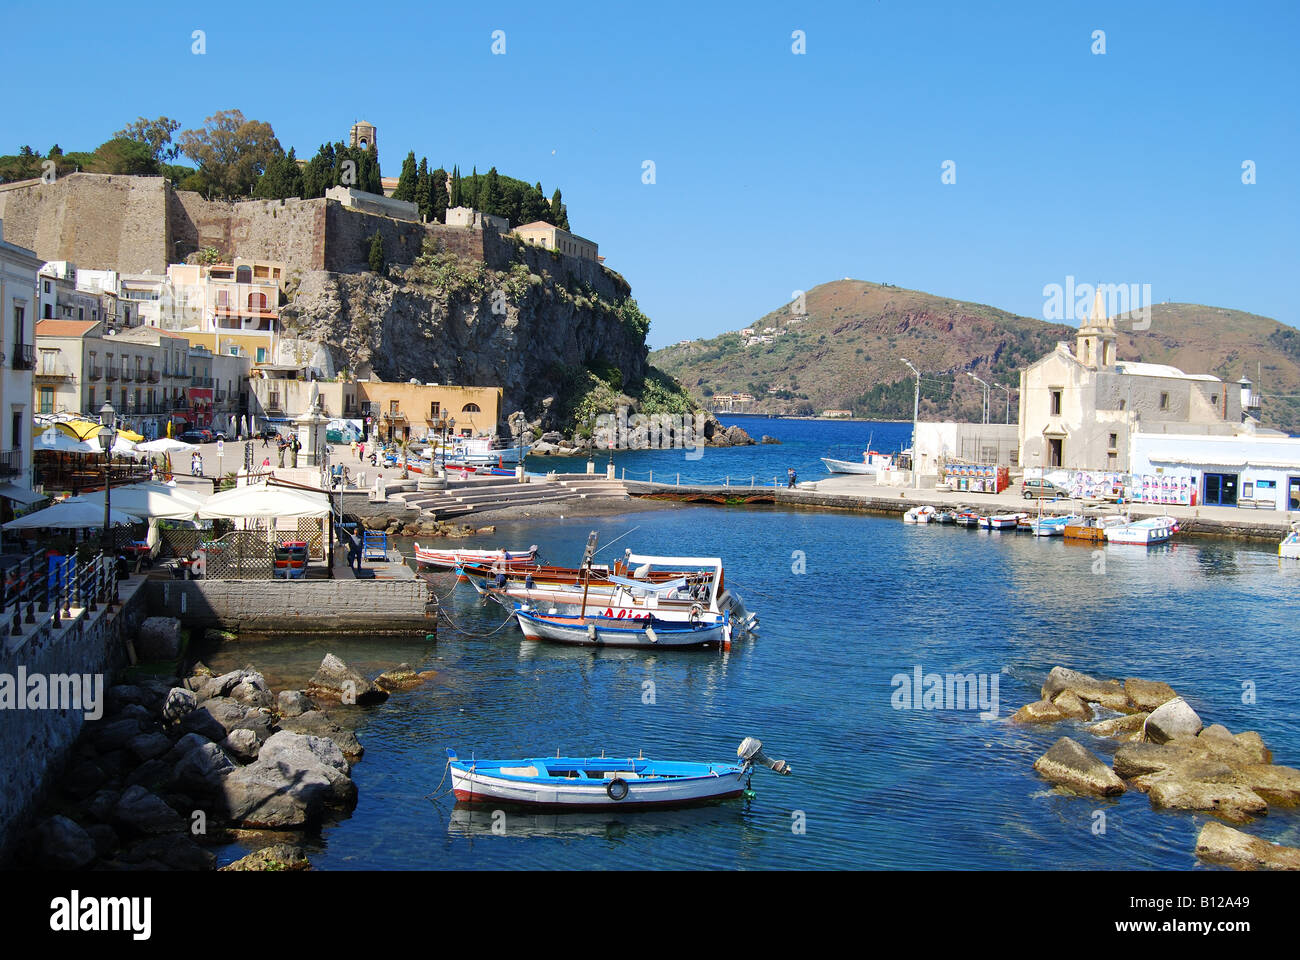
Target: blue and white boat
{"x":1051,"y":526}
{"x":574,"y":783}
{"x":710,"y":630}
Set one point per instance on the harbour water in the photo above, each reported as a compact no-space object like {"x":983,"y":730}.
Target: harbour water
{"x":848,"y":603}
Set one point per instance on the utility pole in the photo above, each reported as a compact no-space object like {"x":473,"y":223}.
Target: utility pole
{"x":916,"y":412}
{"x":1008,"y":390}
{"x":984,"y":412}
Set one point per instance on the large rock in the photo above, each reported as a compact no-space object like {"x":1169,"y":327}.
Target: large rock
{"x":124,"y":694}
{"x":289,"y":785}
{"x":1140,"y":759}
{"x":1040,"y":711}
{"x":140,"y":811}
{"x":1232,"y":802}
{"x":399,"y":678}
{"x":318,"y":724}
{"x":242,"y":744}
{"x":217,"y":717}
{"x":61,"y":844}
{"x":201,"y":772}
{"x":1108,"y":693}
{"x":1234,"y":848}
{"x":1068,"y":702}
{"x":1171,"y":721}
{"x":179,"y":702}
{"x":115,"y":735}
{"x":252,"y":691}
{"x":172,"y":852}
{"x":293,"y":703}
{"x":1115,"y":726}
{"x":147,"y":746}
{"x":1071,"y":765}
{"x":335,"y":680}
{"x":159,"y":638}
{"x":1148,"y":694}
{"x":1278,"y":786}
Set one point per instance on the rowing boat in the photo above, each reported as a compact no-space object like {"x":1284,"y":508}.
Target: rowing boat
{"x":447,"y":559}
{"x":585,"y":782}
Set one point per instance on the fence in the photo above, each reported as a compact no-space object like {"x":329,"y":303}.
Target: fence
{"x":51,"y":585}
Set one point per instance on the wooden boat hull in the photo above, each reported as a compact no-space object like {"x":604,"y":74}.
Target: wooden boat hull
{"x":473,"y":785}
{"x":447,"y":559}
{"x":611,"y":632}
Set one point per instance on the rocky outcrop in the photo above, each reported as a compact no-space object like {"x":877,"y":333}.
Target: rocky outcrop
{"x":159,"y":638}
{"x":1071,"y":765}
{"x":1171,"y":721}
{"x":335,"y":680}
{"x":1234,"y":848}
{"x":278,"y":857}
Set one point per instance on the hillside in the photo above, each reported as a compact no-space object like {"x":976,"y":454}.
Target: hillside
{"x":844,"y":354}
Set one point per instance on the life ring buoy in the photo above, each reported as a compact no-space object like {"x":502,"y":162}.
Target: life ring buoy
{"x":617,"y":788}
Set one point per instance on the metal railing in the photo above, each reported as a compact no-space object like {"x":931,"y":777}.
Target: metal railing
{"x":24,"y":356}
{"x":11,"y":463}
{"x":52,"y":586}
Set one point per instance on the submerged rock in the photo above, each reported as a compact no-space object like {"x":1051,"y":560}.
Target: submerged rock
{"x":293,"y":703}
{"x":1128,"y":723}
{"x":1108,"y":693}
{"x":399,"y":679}
{"x":1040,"y":711}
{"x":1148,"y":694}
{"x":1069,"y":704}
{"x":1234,"y":848}
{"x":1071,"y":765}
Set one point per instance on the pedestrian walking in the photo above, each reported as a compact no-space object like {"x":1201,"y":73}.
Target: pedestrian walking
{"x":281,"y":447}
{"x":791,"y":480}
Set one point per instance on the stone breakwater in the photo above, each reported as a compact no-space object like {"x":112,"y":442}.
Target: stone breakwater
{"x":1166,"y":752}
{"x":176,"y":766}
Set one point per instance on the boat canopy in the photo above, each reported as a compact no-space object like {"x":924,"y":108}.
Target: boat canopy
{"x":678,"y":563}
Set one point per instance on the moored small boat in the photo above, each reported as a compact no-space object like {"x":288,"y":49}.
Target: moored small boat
{"x":447,"y":559}
{"x":1091,"y":529}
{"x":920,"y":514}
{"x":1001,"y":521}
{"x":584,"y":782}
{"x":967,"y":519}
{"x":1290,"y":545}
{"x":1143,"y":532}
{"x":944,"y":517}
{"x":1051,"y":526}
{"x":706,"y":630}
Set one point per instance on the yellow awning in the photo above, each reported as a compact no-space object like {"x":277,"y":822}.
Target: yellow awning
{"x":85,"y":429}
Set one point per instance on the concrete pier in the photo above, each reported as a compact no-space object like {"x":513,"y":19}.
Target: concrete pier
{"x":859,"y":494}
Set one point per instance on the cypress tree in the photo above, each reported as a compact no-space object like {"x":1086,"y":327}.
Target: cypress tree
{"x":557,"y":209}
{"x":377,"y":254}
{"x":457,"y":192}
{"x":438,"y":199}
{"x":421,"y":196}
{"x":406,"y":188}
{"x":492,"y":198}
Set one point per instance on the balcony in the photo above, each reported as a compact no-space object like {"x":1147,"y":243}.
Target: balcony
{"x":180,"y":404}
{"x":201,"y":382}
{"x":96,"y":372}
{"x":153,"y":376}
{"x":11,"y":463}
{"x":111,"y":374}
{"x":24,"y":357}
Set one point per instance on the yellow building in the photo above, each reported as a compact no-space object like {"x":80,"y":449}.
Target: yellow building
{"x":230,"y":308}
{"x":408,"y":411}
{"x":542,"y":234}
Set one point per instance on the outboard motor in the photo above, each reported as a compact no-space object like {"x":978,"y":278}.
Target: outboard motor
{"x":751,"y":751}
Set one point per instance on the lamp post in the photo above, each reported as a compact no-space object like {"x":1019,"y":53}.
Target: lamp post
{"x":1008,"y":390}
{"x":916,"y":413}
{"x":451,"y":438}
{"x":984,"y":411}
{"x":107,"y":436}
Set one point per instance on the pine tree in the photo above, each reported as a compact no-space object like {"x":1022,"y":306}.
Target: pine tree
{"x":438,"y":200}
{"x":422,"y":185}
{"x":377,"y":254}
{"x":281,"y":179}
{"x":406,"y":188}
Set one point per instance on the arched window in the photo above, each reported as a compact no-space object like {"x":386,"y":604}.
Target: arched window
{"x":244,"y":274}
{"x":470,"y":408}
{"x":257,"y":301}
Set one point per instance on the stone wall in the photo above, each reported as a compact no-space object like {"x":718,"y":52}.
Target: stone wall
{"x":35,"y":743}
{"x":364,"y":607}
{"x":289,"y":231}
{"x":99,"y":222}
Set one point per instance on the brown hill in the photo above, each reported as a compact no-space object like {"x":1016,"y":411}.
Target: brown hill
{"x":844,"y":353}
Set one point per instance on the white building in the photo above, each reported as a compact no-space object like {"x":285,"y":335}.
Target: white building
{"x":1247,"y":471}
{"x":469,"y":217}
{"x":18,"y":301}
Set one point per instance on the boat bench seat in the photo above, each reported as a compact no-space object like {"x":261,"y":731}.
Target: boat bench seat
{"x":521,"y":771}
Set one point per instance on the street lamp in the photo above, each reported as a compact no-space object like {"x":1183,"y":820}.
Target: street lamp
{"x":984,"y":412}
{"x":1008,"y":390}
{"x":916,"y":413}
{"x":107,"y":436}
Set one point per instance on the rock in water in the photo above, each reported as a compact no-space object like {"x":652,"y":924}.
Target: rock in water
{"x":293,"y":703}
{"x":1071,"y":765}
{"x":140,"y":811}
{"x":277,"y":857}
{"x":1108,"y":693}
{"x":1040,"y":711}
{"x":1069,"y":704}
{"x":1235,"y":848}
{"x":1172,"y":720}
{"x":335,"y":680}
{"x":159,"y":638}
{"x":1147,"y":694}
{"x":1118,"y":725}
{"x":1234,"y":803}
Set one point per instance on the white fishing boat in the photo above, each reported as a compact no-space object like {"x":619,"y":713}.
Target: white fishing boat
{"x":448,"y":559}
{"x":1051,"y":526}
{"x":602,"y":631}
{"x":1002,"y":521}
{"x":1290,"y":545}
{"x":1142,"y":532}
{"x":922,"y":514}
{"x":872,"y":461}
{"x":585,"y":782}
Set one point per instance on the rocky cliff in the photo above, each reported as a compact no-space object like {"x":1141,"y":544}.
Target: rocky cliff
{"x":534,"y":328}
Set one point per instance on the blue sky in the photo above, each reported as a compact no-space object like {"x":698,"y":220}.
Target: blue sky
{"x":774,"y":171}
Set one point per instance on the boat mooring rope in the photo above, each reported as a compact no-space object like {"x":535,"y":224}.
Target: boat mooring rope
{"x":435,"y":795}
{"x":468,"y":633}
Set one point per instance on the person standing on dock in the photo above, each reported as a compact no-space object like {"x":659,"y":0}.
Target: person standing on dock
{"x":790,"y":482}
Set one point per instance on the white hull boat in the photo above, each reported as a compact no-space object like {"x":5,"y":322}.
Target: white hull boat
{"x":1290,"y":546}
{"x":575,"y":783}
{"x":1002,"y":521}
{"x":1143,"y":532}
{"x":919,"y":515}
{"x":448,"y":559}
{"x":602,"y":631}
{"x":1051,"y":526}
{"x":846,"y":466}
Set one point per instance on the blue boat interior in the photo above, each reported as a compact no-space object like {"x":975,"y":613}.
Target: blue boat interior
{"x":595,"y":769}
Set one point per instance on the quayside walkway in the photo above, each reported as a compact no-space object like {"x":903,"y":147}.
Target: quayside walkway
{"x":857,"y":493}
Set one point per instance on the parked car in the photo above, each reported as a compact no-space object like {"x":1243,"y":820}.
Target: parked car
{"x":193,"y":436}
{"x":1042,"y":490}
